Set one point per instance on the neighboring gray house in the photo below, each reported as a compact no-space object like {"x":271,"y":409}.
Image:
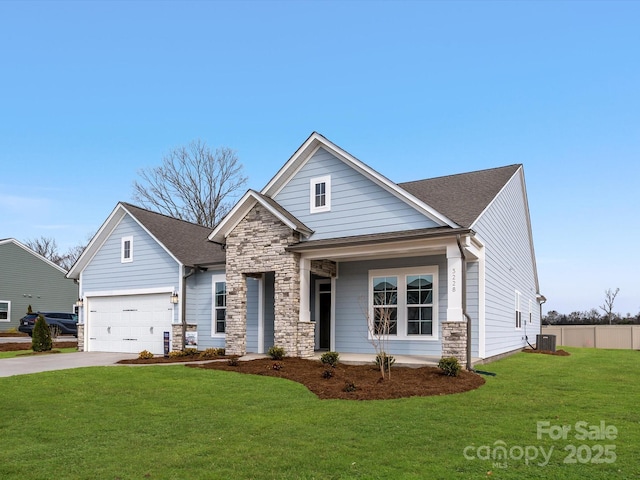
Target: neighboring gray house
{"x":314,"y":260}
{"x":27,"y":278}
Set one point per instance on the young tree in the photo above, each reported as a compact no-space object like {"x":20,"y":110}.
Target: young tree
{"x":607,"y":306}
{"x":193,"y":183}
{"x":383,"y":322}
{"x":41,"y":336}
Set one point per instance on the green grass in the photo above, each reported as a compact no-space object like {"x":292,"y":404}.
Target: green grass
{"x":173,"y":422}
{"x":30,"y":352}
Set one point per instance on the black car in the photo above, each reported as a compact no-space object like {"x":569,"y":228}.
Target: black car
{"x":59,"y":322}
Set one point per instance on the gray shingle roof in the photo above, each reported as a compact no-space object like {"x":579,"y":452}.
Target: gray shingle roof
{"x":187,"y":241}
{"x":462,"y":197}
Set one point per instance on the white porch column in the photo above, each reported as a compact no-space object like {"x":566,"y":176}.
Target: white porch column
{"x":305,"y":288}
{"x":454,"y":285}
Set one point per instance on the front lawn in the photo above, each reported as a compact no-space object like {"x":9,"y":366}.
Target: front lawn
{"x":166,"y":422}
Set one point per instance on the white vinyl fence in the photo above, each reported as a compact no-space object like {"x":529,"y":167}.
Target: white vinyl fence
{"x":595,"y":336}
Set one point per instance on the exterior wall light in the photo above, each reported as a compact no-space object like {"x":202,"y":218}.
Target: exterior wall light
{"x":79,"y":303}
{"x":174,"y":298}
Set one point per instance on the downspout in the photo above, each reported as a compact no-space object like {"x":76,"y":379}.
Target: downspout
{"x":464,"y":301}
{"x":184,"y":305}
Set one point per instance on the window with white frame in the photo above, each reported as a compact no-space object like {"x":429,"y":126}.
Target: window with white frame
{"x":518,"y":311}
{"x":5,"y":311}
{"x":126,"y":249}
{"x":320,"y":194}
{"x":403,"y":302}
{"x":530,"y":311}
{"x":219,"y":308}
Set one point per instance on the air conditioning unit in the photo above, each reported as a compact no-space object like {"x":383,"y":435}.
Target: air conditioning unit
{"x":546,"y":343}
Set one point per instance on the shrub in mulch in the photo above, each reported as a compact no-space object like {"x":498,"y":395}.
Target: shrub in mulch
{"x":404,"y":382}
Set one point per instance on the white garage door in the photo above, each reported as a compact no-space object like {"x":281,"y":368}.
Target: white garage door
{"x":129,"y":323}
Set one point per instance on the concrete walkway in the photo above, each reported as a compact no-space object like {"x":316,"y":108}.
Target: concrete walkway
{"x":59,"y":361}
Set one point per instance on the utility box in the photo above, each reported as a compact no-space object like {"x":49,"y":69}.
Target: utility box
{"x":546,"y":343}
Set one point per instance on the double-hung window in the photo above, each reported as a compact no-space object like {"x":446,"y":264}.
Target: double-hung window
{"x":518,"y":311}
{"x":219,"y":308}
{"x":320,"y":194}
{"x":5,"y":311}
{"x":403,"y":302}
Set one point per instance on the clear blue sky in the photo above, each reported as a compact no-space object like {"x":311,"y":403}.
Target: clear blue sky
{"x":90,"y":92}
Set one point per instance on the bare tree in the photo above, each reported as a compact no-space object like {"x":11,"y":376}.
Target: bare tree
{"x":607,"y":306}
{"x":380,"y":324}
{"x":48,"y":248}
{"x":193,"y":183}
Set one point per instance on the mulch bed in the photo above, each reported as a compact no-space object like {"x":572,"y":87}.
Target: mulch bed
{"x":404,"y":382}
{"x":14,"y":347}
{"x":559,"y":353}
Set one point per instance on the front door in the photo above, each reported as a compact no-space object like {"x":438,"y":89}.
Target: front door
{"x":323,"y":313}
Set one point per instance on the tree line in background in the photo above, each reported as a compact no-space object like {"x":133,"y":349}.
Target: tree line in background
{"x":593,"y":316}
{"x":194,"y":183}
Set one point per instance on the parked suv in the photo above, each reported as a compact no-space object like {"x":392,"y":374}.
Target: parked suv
{"x":59,"y":322}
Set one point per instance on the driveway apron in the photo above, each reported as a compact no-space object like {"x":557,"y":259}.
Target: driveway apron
{"x":59,"y":361}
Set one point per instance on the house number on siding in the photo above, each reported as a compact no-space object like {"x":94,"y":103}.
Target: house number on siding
{"x":453,"y":279}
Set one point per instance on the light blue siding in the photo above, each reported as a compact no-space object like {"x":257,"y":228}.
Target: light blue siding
{"x":199,"y":308}
{"x":351,"y":303}
{"x":473,"y":305}
{"x":252,"y":314}
{"x":152,"y":266}
{"x":269,"y":310}
{"x":358,"y":206}
{"x":503,"y":228}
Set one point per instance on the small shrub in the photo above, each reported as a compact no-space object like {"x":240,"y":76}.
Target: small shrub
{"x":29,"y":309}
{"x":330,"y":358}
{"x":41,"y":336}
{"x":233,"y":362}
{"x":449,"y":366}
{"x":144,"y":354}
{"x":276,"y":353}
{"x":386,"y":360}
{"x":176,"y":354}
{"x":220,"y":352}
{"x":349,"y":386}
{"x":190,"y":352}
{"x":211,"y":353}
{"x":327,"y":374}
{"x":277,"y":366}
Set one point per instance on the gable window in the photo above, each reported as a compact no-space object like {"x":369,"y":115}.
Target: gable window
{"x":518,"y":312}
{"x":320,"y":194}
{"x":219,"y":308}
{"x":126,"y":250}
{"x":403,"y":303}
{"x":5,"y":311}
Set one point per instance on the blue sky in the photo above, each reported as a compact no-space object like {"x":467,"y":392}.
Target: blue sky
{"x":90,"y":92}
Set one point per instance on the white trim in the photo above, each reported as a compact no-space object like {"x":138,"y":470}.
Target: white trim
{"x":8,"y":319}
{"x":313,"y":143}
{"x":261,"y":314}
{"x":332,"y":337}
{"x":219,"y":278}
{"x":35,"y":254}
{"x":482,"y":318}
{"x":133,"y":291}
{"x":326,"y":179}
{"x":402,"y":273}
{"x":123,"y":249}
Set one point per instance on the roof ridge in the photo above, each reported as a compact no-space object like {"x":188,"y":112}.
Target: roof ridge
{"x":127,"y":204}
{"x":462,"y":173}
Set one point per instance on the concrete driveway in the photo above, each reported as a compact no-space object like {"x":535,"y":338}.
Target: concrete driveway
{"x":59,"y":361}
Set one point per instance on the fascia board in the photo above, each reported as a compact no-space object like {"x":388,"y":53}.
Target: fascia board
{"x":239,"y":211}
{"x":311,"y":146}
{"x":97,"y":241}
{"x":169,"y":252}
{"x":35,"y":254}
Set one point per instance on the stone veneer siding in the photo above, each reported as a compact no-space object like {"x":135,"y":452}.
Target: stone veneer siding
{"x":177,"y":336}
{"x":258,"y":245}
{"x":80,"y":337}
{"x":454,"y":341}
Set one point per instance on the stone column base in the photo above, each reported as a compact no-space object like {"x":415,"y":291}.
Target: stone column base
{"x":80,"y":337}
{"x":454,"y":341}
{"x":177,"y":335}
{"x":306,"y":339}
